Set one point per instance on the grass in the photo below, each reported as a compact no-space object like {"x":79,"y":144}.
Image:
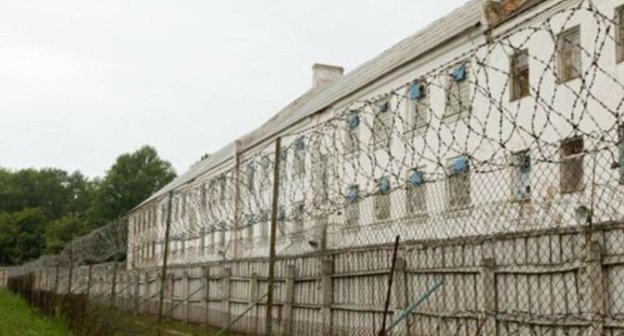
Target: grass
{"x":124,"y":324}
{"x":175,"y":328}
{"x":18,"y":319}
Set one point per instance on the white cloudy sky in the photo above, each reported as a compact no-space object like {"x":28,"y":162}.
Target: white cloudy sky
{"x":82,"y":81}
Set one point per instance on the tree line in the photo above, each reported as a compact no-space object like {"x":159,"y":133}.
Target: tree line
{"x":43,"y":209}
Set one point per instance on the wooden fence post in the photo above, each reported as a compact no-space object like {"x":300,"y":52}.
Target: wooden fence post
{"x":254,"y":296}
{"x":171,"y":290}
{"x":225,"y":292}
{"x":327,"y":269}
{"x":147,"y":290}
{"x":487,"y":302}
{"x":288,"y":300}
{"x":593,"y":278}
{"x":186,"y":282}
{"x":136,"y":292}
{"x":206,"y":295}
{"x":400,"y":296}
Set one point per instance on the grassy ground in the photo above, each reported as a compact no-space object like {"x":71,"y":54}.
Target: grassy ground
{"x":174,"y":328}
{"x":18,"y":319}
{"x":124,"y":324}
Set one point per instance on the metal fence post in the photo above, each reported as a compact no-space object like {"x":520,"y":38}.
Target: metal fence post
{"x":274,"y":215}
{"x":163,"y":275}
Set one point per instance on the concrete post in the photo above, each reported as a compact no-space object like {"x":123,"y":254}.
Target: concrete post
{"x":289,"y":300}
{"x":254,"y":297}
{"x":593,"y":283}
{"x":225,"y":298}
{"x":487,"y":299}
{"x":327,"y":269}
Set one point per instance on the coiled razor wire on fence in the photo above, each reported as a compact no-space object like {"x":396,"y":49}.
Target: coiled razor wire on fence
{"x":501,"y":170}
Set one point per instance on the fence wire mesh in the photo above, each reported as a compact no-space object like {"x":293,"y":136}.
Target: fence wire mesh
{"x":501,"y":170}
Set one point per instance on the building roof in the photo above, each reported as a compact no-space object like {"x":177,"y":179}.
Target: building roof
{"x":315,"y":100}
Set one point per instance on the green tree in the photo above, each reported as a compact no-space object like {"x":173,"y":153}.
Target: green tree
{"x":53,"y":190}
{"x":132,"y":179}
{"x":21,"y":236}
{"x":59,"y":232}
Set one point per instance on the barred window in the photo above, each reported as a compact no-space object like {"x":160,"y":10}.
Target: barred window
{"x":281,"y":218}
{"x":267,"y":165}
{"x":212,"y":192}
{"x":250,"y":221}
{"x":183,"y":205}
{"x":621,"y":151}
{"x":416,"y":192}
{"x":569,"y":54}
{"x":163,"y":214}
{"x":251,"y":178}
{"x":202,"y":240}
{"x":299,"y":164}
{"x":202,"y":195}
{"x":619,"y":33}
{"x":212,"y":237}
{"x":222,"y":237}
{"x":222,"y":188}
{"x":352,"y":135}
{"x":458,"y":92}
{"x":418,"y":115}
{"x":382,"y":124}
{"x":382,"y":199}
{"x":283,"y":165}
{"x":458,"y":183}
{"x":520,"y":75}
{"x":298,"y":219}
{"x":265,"y":219}
{"x":323,"y":177}
{"x":353,"y":206}
{"x":522,"y":175}
{"x":571,"y":167}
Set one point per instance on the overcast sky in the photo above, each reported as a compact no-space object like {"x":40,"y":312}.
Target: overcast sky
{"x":83,"y":81}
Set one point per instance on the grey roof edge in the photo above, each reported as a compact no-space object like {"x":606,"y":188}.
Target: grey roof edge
{"x":198,"y":169}
{"x":405,"y":51}
{"x":314,"y":100}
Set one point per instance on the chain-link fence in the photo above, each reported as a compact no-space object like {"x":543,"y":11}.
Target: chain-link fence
{"x":483,"y":197}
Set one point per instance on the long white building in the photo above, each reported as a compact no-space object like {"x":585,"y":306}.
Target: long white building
{"x":499,"y":117}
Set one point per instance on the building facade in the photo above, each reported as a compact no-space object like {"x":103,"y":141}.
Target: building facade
{"x":500,"y":117}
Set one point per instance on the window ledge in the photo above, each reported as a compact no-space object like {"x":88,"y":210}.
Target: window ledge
{"x":561,"y":81}
{"x":381,"y":145}
{"x":418,"y":217}
{"x":351,"y":154}
{"x":519,"y":99}
{"x":455,"y":117}
{"x":458,"y":211}
{"x":567,"y":192}
{"x":420,"y":129}
{"x":350,"y":228}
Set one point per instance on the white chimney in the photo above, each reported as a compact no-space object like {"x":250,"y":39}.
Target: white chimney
{"x":324,"y":74}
